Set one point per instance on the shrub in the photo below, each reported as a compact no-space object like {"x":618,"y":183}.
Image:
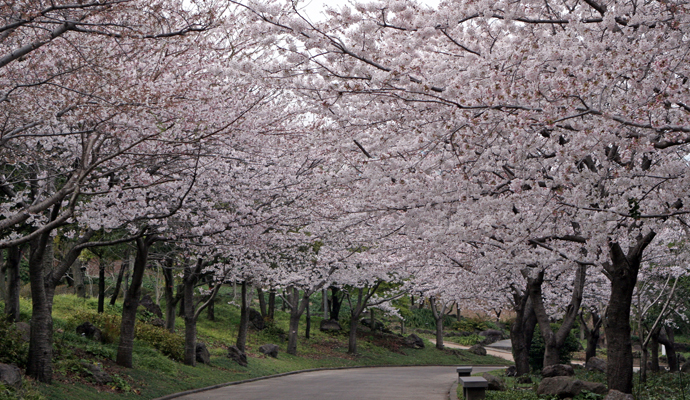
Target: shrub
{"x":13,"y":350}
{"x":470,"y":325}
{"x":536,"y":352}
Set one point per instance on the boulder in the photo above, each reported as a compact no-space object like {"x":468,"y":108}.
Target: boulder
{"x":524,"y":379}
{"x":330,"y":325}
{"x":491,"y":335}
{"x":96,"y":372}
{"x":89,"y":330}
{"x":595,"y":364}
{"x":685,"y":367}
{"x":378,"y":325}
{"x":557,"y":370}
{"x":413,"y":341}
{"x":511,"y":371}
{"x":561,"y":386}
{"x":10,"y":375}
{"x":478,"y":349}
{"x":158,"y":322}
{"x":256,"y":319}
{"x":237,"y":355}
{"x":495,"y":383}
{"x":202,"y":354}
{"x":681,"y":358}
{"x":616,"y":395}
{"x":595,"y":387}
{"x":25,"y":330}
{"x":269,"y":350}
{"x":150,"y":306}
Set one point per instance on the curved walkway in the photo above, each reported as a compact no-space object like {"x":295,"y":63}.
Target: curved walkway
{"x":376,"y":383}
{"x":498,"y":352}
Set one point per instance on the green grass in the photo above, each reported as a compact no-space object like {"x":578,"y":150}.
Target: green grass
{"x":155,"y":375}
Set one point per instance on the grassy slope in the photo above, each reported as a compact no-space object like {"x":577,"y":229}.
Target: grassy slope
{"x":156,"y":375}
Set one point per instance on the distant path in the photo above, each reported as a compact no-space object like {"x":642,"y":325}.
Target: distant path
{"x":504,"y":354}
{"x":379,"y":383}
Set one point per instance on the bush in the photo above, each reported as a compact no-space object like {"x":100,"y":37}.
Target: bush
{"x":424,"y":318}
{"x":536,"y":352}
{"x":13,"y":350}
{"x":470,"y":325}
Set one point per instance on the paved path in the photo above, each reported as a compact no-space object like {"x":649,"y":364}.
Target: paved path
{"x":506,"y":355}
{"x":385,"y":383}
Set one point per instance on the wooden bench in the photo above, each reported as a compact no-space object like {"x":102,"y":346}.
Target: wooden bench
{"x":464,"y":371}
{"x":473,"y":387}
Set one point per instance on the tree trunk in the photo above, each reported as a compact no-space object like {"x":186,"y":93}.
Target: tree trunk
{"x":438,"y":318}
{"x":352,"y":340}
{"x":667,"y":338}
{"x":170,"y":298}
{"x":189,"y":320}
{"x":40,"y":359}
{"x":553,"y":341}
{"x":591,"y":335}
{"x":262,"y":302}
{"x":654,"y":350}
{"x":3,"y":285}
{"x":271,"y":305}
{"x":101,"y":289}
{"x":244,"y":320}
{"x":335,"y":303}
{"x":522,"y":331}
{"x":622,"y":273}
{"x":118,"y":284}
{"x":324,"y":299}
{"x":292,"y":332}
{"x":129,"y":307}
{"x":14,"y":283}
{"x":307,"y":328}
{"x":78,"y":274}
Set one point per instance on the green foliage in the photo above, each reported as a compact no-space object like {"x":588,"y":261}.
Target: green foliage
{"x":424,"y":318}
{"x":13,"y":350}
{"x":536,"y":352}
{"x":472,"y":324}
{"x":26,"y":392}
{"x":470,"y":340}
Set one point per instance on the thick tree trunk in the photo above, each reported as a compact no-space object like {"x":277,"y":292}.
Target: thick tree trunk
{"x":654,"y":353}
{"x":297,"y":308}
{"x":14,"y":283}
{"x":667,"y":338}
{"x":622,"y":273}
{"x":352,"y":339}
{"x":522,"y":331}
{"x":189,"y":320}
{"x":271,"y":305}
{"x":553,"y":341}
{"x":78,"y":274}
{"x":438,"y":318}
{"x":244,"y":320}
{"x":129,"y":307}
{"x":170,"y":298}
{"x":307,"y":328}
{"x":335,"y":303}
{"x":118,"y":284}
{"x":211,"y":309}
{"x":591,"y":335}
{"x":292,"y":332}
{"x":40,"y":359}
{"x":101,"y":288}
{"x":262,"y":302}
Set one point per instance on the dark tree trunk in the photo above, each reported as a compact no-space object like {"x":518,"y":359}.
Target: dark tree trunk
{"x":592,"y":335}
{"x":438,"y":318}
{"x":667,"y":338}
{"x":271,"y":305}
{"x":3,"y":270}
{"x":352,"y":339}
{"x":191,"y":276}
{"x":78,"y":274}
{"x":129,"y":307}
{"x":262,"y":302}
{"x":118,"y":284}
{"x":14,"y":283}
{"x":40,"y":359}
{"x":553,"y":341}
{"x":654,"y":352}
{"x":622,"y":273}
{"x":356,"y":311}
{"x":170,"y":298}
{"x":335,"y":303}
{"x":101,"y":289}
{"x":307,"y":329}
{"x":244,"y":320}
{"x":292,"y":332}
{"x":211,"y":309}
{"x":522,"y":331}
{"x":283,"y":304}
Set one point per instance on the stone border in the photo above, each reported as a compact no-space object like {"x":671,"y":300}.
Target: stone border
{"x":259,"y":378}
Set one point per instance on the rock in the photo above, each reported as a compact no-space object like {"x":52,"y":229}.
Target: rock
{"x":595,"y":387}
{"x":495,"y":383}
{"x":378,"y":325}
{"x":681,"y":358}
{"x":202,"y":354}
{"x":491,"y":335}
{"x":25,"y":330}
{"x":561,"y":386}
{"x":89,"y":330}
{"x":269,"y":350}
{"x":10,"y":375}
{"x":158,"y":322}
{"x":237,"y":355}
{"x":478,"y":349}
{"x":557,"y":370}
{"x":616,"y":395}
{"x":150,"y":306}
{"x":256,"y":320}
{"x":511,"y":371}
{"x":330,"y":325}
{"x":96,"y":372}
{"x":413,"y":341}
{"x":524,"y":379}
{"x":596,"y":364}
{"x":685,"y":367}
